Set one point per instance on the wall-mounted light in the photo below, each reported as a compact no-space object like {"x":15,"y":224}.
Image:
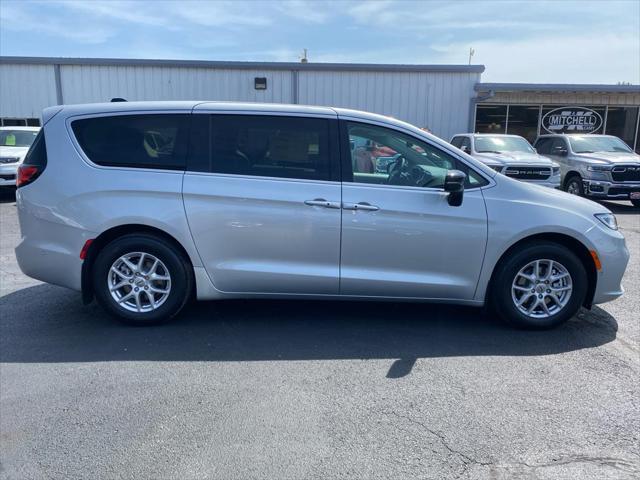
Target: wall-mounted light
{"x":260,"y":83}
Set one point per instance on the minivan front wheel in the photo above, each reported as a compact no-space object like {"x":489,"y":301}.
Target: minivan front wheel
{"x":540,"y":286}
{"x":141,"y":279}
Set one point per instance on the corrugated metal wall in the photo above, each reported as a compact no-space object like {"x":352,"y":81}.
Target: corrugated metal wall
{"x":439,"y":100}
{"x":91,"y":83}
{"x":436,"y":100}
{"x":26,"y":89}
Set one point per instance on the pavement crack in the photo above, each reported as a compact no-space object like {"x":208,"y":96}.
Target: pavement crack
{"x":466,"y":459}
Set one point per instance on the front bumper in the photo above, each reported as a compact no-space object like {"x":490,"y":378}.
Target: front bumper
{"x":610,"y":190}
{"x":614,"y":257}
{"x":8,"y":174}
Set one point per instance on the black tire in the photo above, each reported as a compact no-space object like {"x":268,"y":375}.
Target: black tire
{"x":574,"y":183}
{"x":635,"y":203}
{"x":179,"y":269}
{"x":501,"y":285}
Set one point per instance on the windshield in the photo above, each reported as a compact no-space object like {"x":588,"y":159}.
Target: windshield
{"x":17,"y":138}
{"x":502,"y":144}
{"x":591,"y":144}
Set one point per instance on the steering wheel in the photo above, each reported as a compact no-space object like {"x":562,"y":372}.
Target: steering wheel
{"x":398,"y":171}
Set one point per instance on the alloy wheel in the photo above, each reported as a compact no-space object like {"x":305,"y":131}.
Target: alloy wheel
{"x":139,"y":282}
{"x":542,"y":288}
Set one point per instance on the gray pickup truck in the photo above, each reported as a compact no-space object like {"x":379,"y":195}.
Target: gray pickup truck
{"x":596,"y":166}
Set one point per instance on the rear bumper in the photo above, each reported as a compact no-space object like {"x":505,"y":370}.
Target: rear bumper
{"x":611,"y":190}
{"x":49,"y":251}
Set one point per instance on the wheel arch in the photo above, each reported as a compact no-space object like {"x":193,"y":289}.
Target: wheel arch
{"x":570,"y":174}
{"x":573,"y":244}
{"x":111,"y":234}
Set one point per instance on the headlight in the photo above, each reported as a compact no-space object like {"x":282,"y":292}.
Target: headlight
{"x":599,"y":168}
{"x":556,"y":170}
{"x":497,"y":168}
{"x":609,"y":219}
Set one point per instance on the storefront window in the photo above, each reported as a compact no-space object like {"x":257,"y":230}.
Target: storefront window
{"x":491,"y":118}
{"x":527,"y":120}
{"x":523,"y":121}
{"x":621,"y":122}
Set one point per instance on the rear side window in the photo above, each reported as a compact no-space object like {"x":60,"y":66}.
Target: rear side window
{"x":143,"y":141}
{"x":37,"y":154}
{"x":261,"y":145}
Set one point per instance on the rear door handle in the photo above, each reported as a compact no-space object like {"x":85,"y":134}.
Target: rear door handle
{"x":321,"y":202}
{"x":360,"y":206}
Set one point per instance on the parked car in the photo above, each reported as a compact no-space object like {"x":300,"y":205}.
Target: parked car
{"x":14,"y":144}
{"x":510,"y":155}
{"x":255,"y":201}
{"x":597,"y":166}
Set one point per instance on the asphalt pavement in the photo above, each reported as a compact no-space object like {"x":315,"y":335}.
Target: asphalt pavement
{"x":326,"y":390}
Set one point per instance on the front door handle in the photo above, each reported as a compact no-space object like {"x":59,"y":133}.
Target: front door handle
{"x":360,"y":206}
{"x":321,"y":202}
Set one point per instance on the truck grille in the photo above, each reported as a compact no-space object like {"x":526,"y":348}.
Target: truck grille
{"x":528,"y":173}
{"x":625,"y":173}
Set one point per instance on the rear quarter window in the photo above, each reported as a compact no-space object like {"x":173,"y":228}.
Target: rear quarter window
{"x":139,"y":141}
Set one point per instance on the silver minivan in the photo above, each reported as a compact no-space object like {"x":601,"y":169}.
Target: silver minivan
{"x":144,"y":206}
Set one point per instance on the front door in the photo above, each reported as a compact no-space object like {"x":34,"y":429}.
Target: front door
{"x":400,"y":237}
{"x":263,"y":202}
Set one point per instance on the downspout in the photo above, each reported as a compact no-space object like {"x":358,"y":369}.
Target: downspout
{"x":472,"y":108}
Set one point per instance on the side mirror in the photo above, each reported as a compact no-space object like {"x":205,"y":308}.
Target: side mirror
{"x":465,"y":149}
{"x":454,"y":184}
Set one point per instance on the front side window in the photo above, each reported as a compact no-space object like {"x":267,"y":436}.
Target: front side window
{"x":262,"y":145}
{"x":543,"y":145}
{"x":383,"y":156}
{"x":143,"y":141}
{"x":499,"y":144}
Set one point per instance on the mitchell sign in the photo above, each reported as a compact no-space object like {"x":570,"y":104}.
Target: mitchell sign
{"x":572,"y":120}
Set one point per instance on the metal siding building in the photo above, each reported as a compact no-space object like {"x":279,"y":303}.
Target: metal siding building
{"x":437,"y":96}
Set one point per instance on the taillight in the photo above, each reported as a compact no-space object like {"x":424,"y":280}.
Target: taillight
{"x":27,"y":174}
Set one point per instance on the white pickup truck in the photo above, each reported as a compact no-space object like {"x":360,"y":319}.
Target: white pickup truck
{"x":510,"y":155}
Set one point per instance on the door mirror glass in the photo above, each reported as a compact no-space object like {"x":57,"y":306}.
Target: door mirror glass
{"x":454,"y":184}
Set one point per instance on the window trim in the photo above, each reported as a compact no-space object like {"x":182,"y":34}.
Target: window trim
{"x":78,"y":148}
{"x":345,"y":156}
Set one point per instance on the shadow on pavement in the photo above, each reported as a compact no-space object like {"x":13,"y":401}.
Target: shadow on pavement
{"x":49,"y":324}
{"x":7,"y":194}
{"x":621,"y":208}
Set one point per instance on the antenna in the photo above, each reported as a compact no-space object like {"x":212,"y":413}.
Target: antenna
{"x":304,"y":58}
{"x":471,"y":53}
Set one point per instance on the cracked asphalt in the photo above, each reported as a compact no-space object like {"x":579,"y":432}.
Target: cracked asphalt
{"x":326,"y":390}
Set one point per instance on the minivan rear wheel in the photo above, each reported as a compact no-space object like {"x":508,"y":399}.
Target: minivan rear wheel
{"x":540,"y":286}
{"x":141,"y":279}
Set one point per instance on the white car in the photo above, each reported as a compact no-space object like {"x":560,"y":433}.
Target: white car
{"x":14,"y":145}
{"x":510,"y":155}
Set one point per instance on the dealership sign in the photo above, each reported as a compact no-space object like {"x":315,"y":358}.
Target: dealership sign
{"x":572,"y":120}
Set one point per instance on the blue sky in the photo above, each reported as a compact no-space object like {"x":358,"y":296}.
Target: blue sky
{"x":531,"y":41}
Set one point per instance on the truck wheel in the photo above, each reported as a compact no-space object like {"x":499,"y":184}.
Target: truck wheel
{"x":540,"y":286}
{"x":142,"y":279}
{"x":574,"y":186}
